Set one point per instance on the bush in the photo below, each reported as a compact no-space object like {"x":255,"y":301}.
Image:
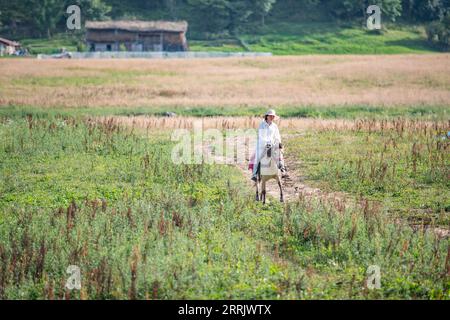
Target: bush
{"x":439,"y":32}
{"x":81,"y":47}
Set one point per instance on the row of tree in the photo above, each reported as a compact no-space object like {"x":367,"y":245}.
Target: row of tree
{"x":45,"y":17}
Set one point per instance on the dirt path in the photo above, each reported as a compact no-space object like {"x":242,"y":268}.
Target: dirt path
{"x":293,"y":184}
{"x":294,"y":187}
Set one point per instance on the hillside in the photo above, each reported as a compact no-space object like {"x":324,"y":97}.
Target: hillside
{"x":283,"y":27}
{"x":285,"y":39}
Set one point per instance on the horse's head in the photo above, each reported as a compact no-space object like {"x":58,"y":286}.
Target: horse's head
{"x":269,"y":150}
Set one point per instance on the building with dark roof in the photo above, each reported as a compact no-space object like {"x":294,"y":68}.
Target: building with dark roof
{"x":136,"y":35}
{"x":8,"y":47}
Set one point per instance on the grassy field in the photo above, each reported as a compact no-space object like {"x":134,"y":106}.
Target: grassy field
{"x":108,"y":199}
{"x":51,"y":46}
{"x":290,"y":38}
{"x":83,"y":183}
{"x":311,"y":86}
{"x":403,"y":164}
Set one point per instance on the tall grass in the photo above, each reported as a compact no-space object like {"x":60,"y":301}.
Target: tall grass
{"x":107,"y":198}
{"x":137,"y":225}
{"x":337,"y":240}
{"x":402,"y":163}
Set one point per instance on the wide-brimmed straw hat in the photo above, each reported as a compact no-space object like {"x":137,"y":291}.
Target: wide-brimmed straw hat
{"x":271,"y":112}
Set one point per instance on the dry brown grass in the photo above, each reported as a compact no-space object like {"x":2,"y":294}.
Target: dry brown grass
{"x":395,"y":80}
{"x":291,"y":124}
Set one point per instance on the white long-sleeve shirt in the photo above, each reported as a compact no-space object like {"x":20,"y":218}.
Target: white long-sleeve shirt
{"x":266,"y":134}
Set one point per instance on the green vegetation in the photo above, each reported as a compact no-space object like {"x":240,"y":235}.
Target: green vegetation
{"x":289,"y":39}
{"x":113,"y":202}
{"x":285,"y":38}
{"x":439,"y":32}
{"x":109,"y":200}
{"x":211,"y":17}
{"x":316,"y":112}
{"x":51,"y":46}
{"x":402,"y":164}
{"x":332,"y":38}
{"x":279,"y":26}
{"x":77,"y":190}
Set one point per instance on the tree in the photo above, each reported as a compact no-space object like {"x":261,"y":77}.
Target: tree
{"x":46,"y":14}
{"x":263,"y":7}
{"x":239,"y":11}
{"x":229,"y":15}
{"x":210,"y":15}
{"x":439,"y":31}
{"x":390,"y":8}
{"x":171,"y":7}
{"x":45,"y":17}
{"x":347,"y":9}
{"x":14,"y":15}
{"x":91,"y":9}
{"x":425,"y":10}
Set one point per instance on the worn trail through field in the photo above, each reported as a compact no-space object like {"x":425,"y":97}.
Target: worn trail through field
{"x":293,"y":184}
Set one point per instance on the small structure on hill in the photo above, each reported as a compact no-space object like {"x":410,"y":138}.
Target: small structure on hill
{"x":8,"y":47}
{"x":137,"y":36}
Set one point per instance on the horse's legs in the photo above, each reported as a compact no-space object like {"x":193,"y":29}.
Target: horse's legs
{"x":281,"y":189}
{"x":263,"y":190}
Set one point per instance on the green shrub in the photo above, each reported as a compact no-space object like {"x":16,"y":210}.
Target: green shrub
{"x":439,"y":32}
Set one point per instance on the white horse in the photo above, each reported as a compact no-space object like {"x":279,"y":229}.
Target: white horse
{"x":268,"y":170}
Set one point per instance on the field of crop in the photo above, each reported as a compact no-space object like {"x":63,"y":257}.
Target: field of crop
{"x":84,"y":183}
{"x":306,"y":86}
